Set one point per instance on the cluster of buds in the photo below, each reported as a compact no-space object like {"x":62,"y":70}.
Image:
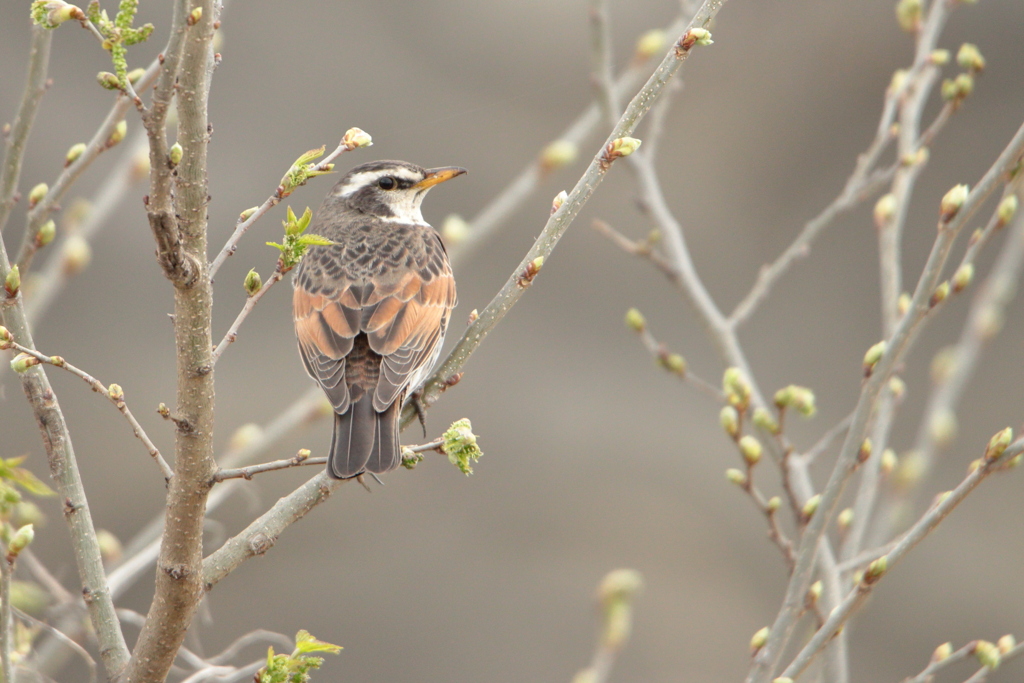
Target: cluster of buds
{"x":909,"y":14}
{"x":957,"y":89}
{"x":296,"y":243}
{"x":988,"y":654}
{"x":736,"y":389}
{"x":799,"y":398}
{"x":459,"y":443}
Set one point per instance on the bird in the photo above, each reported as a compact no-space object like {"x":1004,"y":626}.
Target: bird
{"x":371,"y":309}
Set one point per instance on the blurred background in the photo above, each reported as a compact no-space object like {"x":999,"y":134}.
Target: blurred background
{"x":594,"y":458}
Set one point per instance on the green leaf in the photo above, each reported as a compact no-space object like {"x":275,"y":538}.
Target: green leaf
{"x":314,"y":241}
{"x":306,"y":643}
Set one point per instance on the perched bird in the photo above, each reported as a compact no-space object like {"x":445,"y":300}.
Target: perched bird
{"x":371,"y":309}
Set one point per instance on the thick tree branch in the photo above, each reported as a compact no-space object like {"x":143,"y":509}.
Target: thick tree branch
{"x":179,"y":586}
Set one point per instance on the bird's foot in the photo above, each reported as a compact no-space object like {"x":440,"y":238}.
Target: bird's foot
{"x":421,"y":413}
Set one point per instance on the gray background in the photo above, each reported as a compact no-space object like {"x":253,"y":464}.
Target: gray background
{"x":595,"y":459}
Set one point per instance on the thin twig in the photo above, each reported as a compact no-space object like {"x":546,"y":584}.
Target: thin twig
{"x":601,"y":61}
{"x":297,"y":460}
{"x":273,"y":200}
{"x":662,"y":356}
{"x":232,"y":334}
{"x":116,"y":397}
{"x":915,"y":535}
{"x":90,"y":663}
{"x":826,"y":441}
{"x":6,"y":617}
{"x":643,"y":249}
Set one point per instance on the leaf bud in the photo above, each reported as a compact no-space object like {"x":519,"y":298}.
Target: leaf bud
{"x":763,"y":419}
{"x":1007,"y":209}
{"x":773,"y":504}
{"x":36,"y":194}
{"x":695,"y":36}
{"x":810,"y":507}
{"x":952,"y":201}
{"x":622,"y":147}
{"x":940,"y":294}
{"x":117,"y":135}
{"x":903,"y":303}
{"x":759,"y":639}
{"x":942,"y":652}
{"x":247,"y":214}
{"x":194,"y":16}
{"x":12,"y":283}
{"x":963,"y":277}
{"x":736,"y":388}
{"x":21,"y":540}
{"x":730,"y":421}
{"x":865,"y":451}
{"x":814,"y":592}
{"x":987,"y":654}
{"x":115,"y":393}
{"x":970,"y":58}
{"x":135,"y":74}
{"x":1006,"y":644}
{"x":674,"y":363}
{"x":175,"y":153}
{"x":355,"y":138}
{"x":999,"y":442}
{"x":108,"y":80}
{"x":908,"y":14}
{"x":252,"y":283}
{"x":635,"y":320}
{"x":885,"y":209}
{"x":74,"y":152}
{"x":876,"y":570}
{"x":5,"y":338}
{"x":939,"y":57}
{"x":736,"y":476}
{"x":845,"y":519}
{"x":873,"y":355}
{"x":47,"y":231}
{"x":750,"y":449}
{"x":557,"y":202}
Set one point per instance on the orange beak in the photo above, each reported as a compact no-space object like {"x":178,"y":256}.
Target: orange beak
{"x":438,"y":175}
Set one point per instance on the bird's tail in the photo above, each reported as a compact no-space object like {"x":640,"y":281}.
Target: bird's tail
{"x":364,"y":440}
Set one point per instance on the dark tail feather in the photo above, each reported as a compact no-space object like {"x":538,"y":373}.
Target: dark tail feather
{"x":364,"y":440}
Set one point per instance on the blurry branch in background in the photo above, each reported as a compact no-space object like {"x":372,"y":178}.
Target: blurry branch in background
{"x":615,"y":598}
{"x":903,"y":318}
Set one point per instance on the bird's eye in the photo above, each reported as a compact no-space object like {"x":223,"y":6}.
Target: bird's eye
{"x":386,"y":183}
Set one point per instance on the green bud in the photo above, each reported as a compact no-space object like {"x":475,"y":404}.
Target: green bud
{"x":253,"y":282}
{"x":12,"y":283}
{"x":622,"y":147}
{"x":952,"y":201}
{"x":47,"y":231}
{"x":773,"y":504}
{"x":896,"y":83}
{"x":77,"y":253}
{"x":759,"y":638}
{"x":635,"y":320}
{"x":557,"y":202}
{"x":730,"y":421}
{"x":5,"y":338}
{"x":873,"y":355}
{"x":845,"y":519}
{"x":115,"y":393}
{"x":37,"y":193}
{"x":247,"y":214}
{"x":865,"y":450}
{"x":455,"y":230}
{"x":764,"y":420}
{"x":135,"y":74}
{"x":888,"y":462}
{"x":651,"y":43}
{"x":74,"y":152}
{"x":1007,"y":209}
{"x":558,"y":154}
{"x":939,"y":57}
{"x":876,"y":570}
{"x":958,"y":88}
{"x":999,"y":442}
{"x":108,"y":80}
{"x":175,"y":153}
{"x":940,"y":294}
{"x":963,"y":277}
{"x":750,"y":449}
{"x":194,"y":16}
{"x":21,"y":540}
{"x":969,"y":57}
{"x":736,"y":476}
{"x":814,"y":592}
{"x":903,"y":303}
{"x":460,"y":445}
{"x":355,"y":138}
{"x":117,"y":135}
{"x":695,"y":36}
{"x":810,"y":507}
{"x":675,"y":363}
{"x":987,"y":654}
{"x":908,"y":15}
{"x":736,"y":388}
{"x":942,"y":652}
{"x":110,"y":546}
{"x":53,"y":13}
{"x":885,"y":209}
{"x":1006,"y":644}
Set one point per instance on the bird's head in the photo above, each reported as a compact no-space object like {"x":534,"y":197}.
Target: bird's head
{"x":391,"y":190}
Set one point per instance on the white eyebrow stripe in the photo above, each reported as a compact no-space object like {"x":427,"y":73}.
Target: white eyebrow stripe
{"x":365,"y":178}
